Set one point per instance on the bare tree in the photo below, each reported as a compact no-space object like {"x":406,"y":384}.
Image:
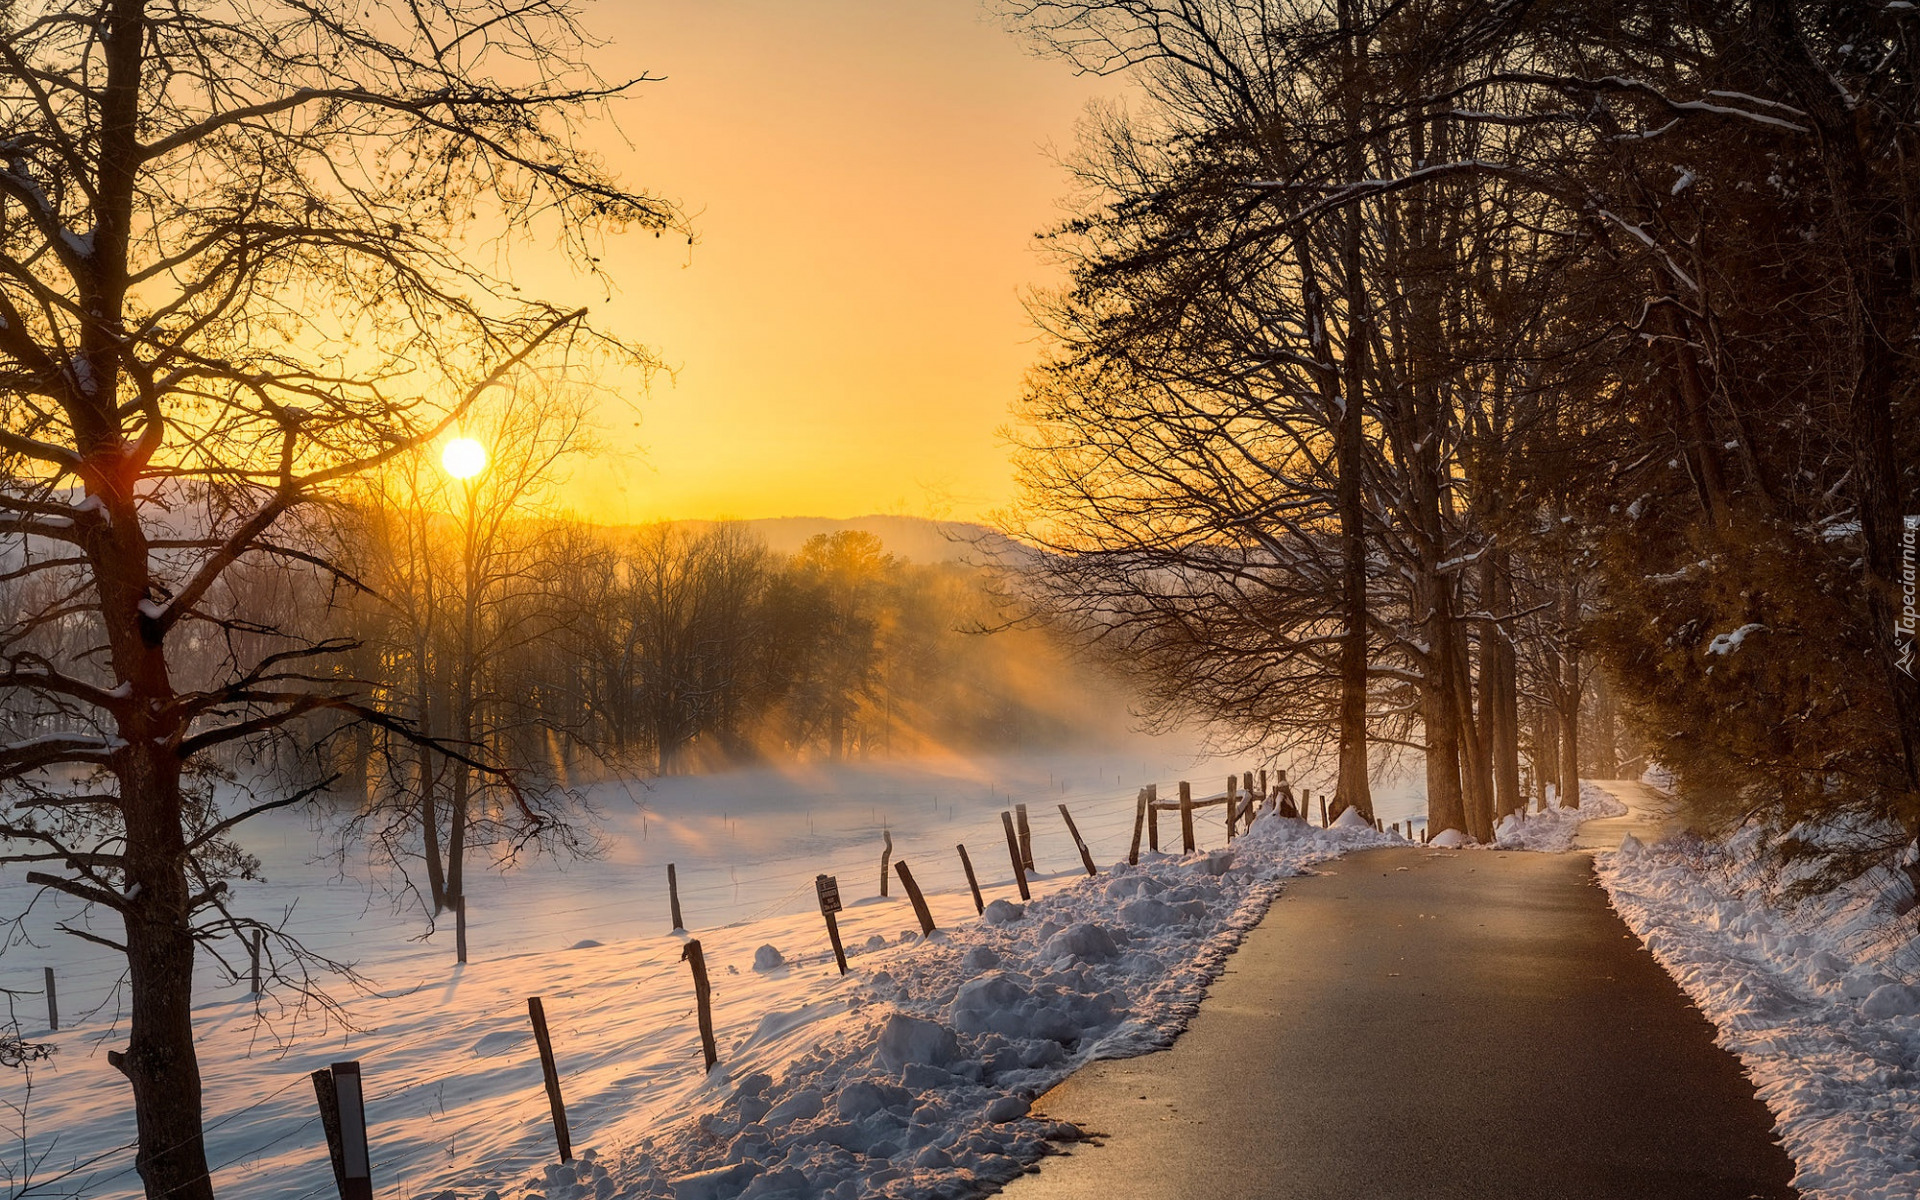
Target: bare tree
{"x":234,"y":275}
{"x":1200,"y":456}
{"x":465,"y":587}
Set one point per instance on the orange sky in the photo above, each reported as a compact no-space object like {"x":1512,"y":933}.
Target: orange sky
{"x":866,"y":178}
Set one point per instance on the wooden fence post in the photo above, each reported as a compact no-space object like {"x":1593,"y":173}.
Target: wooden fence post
{"x":255,"y":947}
{"x":673,"y":898}
{"x":53,"y":1004}
{"x":1233,"y":803}
{"x":913,"y":894}
{"x":1323,"y":809}
{"x":1086,"y":859}
{"x":460,"y":928}
{"x":1153,"y":816}
{"x":1186,"y":817}
{"x":703,"y":998}
{"x":1026,"y":835}
{"x":1013,"y":852}
{"x":356,"y":1165}
{"x":973,"y":885}
{"x":827,"y":888}
{"x":1139,"y":821}
{"x":329,"y":1101}
{"x":549,"y":1072}
{"x":884,"y":856}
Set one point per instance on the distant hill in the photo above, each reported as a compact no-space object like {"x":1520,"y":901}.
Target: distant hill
{"x":915,"y":538}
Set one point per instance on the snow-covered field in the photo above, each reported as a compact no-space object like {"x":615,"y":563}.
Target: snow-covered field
{"x":1098,"y":967}
{"x":1817,"y":1000}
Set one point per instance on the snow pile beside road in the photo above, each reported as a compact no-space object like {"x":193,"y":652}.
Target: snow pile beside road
{"x":918,"y":1084}
{"x":1816,"y":1000}
{"x":1552,"y":831}
{"x":909,"y":1076}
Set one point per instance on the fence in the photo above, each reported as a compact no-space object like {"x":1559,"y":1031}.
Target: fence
{"x":345,"y":1120}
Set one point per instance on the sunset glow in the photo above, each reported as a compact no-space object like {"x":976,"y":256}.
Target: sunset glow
{"x":847,"y":334}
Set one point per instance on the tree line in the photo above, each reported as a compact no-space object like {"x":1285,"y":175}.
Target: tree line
{"x":559,"y":653}
{"x":1459,"y":378}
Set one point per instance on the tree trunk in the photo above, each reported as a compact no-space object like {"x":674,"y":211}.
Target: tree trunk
{"x":1499,"y":685}
{"x":1352,"y":789}
{"x":160,"y":1061}
{"x":1702,"y":446}
{"x":429,"y":811}
{"x":1606,"y":744}
{"x":1446,"y":807}
{"x":1570,"y":753}
{"x":1546,"y":743}
{"x":430,"y":831}
{"x":457,"y":835}
{"x":1476,"y":777}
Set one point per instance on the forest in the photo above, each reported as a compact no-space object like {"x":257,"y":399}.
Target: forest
{"x":1458,"y":379}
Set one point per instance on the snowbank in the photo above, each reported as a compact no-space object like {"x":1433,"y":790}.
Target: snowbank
{"x":920,"y":1086}
{"x":1815,"y":1000}
{"x":1553,"y":831}
{"x":910,"y":1076}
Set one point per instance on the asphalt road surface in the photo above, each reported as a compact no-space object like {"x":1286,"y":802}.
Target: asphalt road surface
{"x":1421,"y":1023}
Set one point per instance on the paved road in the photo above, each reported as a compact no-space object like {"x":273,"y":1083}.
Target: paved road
{"x":1416,"y":1023}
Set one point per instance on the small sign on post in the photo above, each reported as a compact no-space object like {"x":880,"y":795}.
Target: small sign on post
{"x":356,"y":1165}
{"x":827,"y":887}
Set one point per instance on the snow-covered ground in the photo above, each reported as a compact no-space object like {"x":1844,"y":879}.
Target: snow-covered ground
{"x":1817,"y":1000}
{"x":1098,"y":967}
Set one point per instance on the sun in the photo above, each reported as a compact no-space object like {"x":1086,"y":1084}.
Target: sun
{"x":464,"y":458}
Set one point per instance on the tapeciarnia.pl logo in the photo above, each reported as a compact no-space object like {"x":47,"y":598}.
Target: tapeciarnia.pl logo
{"x":1909,"y":595}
